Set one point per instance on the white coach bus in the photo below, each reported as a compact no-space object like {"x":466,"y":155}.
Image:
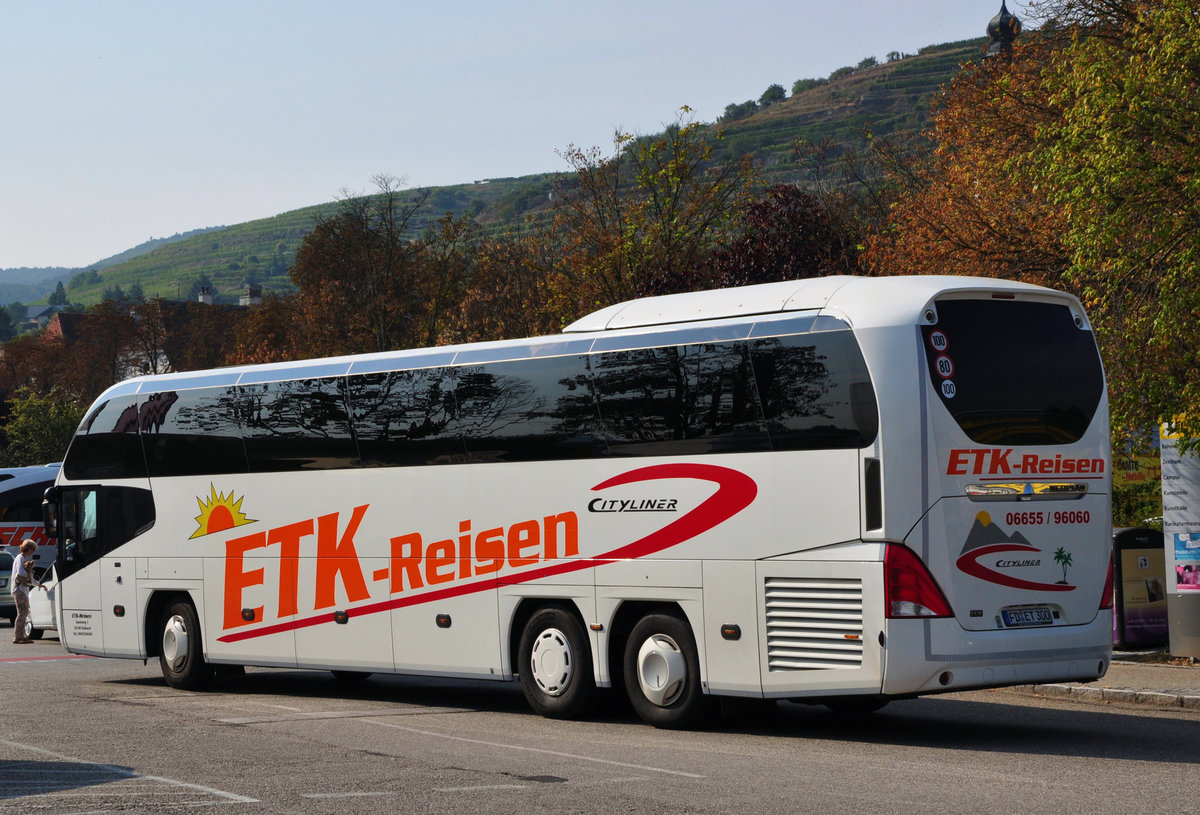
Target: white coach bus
{"x":839,"y":490}
{"x":21,"y":492}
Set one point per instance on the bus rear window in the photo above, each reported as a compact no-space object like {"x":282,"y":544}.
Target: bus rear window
{"x":1014,"y":372}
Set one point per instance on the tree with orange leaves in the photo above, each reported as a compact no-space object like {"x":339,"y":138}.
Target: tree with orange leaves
{"x":964,"y":201}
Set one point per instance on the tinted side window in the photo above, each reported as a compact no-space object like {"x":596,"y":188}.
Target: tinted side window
{"x":96,"y":520}
{"x":106,"y":444}
{"x":406,"y":417}
{"x":816,"y":392}
{"x":528,"y":410}
{"x":681,"y":400}
{"x":24,"y":504}
{"x":297,"y":425}
{"x":192,"y":432}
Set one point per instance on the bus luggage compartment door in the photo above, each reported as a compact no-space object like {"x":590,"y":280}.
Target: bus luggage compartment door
{"x":819,"y":627}
{"x":118,"y":607}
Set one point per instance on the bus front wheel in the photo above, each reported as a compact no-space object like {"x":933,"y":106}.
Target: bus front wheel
{"x":662,"y":672}
{"x":181,"y":654}
{"x":555,"y":665}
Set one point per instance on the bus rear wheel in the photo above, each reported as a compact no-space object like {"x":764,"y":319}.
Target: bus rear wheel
{"x":555,"y":665}
{"x":181,"y":654}
{"x":662,"y":672}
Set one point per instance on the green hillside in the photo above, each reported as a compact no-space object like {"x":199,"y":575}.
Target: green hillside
{"x":890,"y":97}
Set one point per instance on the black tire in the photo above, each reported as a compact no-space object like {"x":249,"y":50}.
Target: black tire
{"x":181,"y":653}
{"x":664,"y":684}
{"x":554,"y":661}
{"x":31,"y":632}
{"x":350,"y":676}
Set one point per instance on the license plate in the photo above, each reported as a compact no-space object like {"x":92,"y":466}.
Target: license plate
{"x":1019,"y":617}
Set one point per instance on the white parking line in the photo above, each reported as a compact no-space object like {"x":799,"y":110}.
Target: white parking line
{"x":345,"y":794}
{"x":340,"y":714}
{"x":120,"y":775}
{"x":558,"y":753}
{"x":482,"y":788}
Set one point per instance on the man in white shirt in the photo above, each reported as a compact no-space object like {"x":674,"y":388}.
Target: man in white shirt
{"x":22,"y":582}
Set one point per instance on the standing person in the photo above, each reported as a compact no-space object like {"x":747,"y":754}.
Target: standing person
{"x":22,"y":582}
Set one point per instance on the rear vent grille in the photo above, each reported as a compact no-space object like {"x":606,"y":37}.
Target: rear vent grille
{"x":813,"y":623}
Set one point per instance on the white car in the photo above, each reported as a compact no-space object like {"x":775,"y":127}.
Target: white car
{"x":41,"y":607}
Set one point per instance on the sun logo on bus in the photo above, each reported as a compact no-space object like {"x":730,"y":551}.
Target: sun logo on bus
{"x":218,"y":513}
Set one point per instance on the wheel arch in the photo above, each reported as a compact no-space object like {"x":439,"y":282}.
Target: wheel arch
{"x":157,"y":603}
{"x":526,"y":608}
{"x":621,"y":626}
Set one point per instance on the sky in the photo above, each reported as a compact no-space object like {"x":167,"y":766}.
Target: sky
{"x":122,"y":121}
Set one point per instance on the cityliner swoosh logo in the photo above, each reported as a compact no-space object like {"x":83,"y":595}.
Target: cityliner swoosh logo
{"x":969,"y":563}
{"x":735,"y":491}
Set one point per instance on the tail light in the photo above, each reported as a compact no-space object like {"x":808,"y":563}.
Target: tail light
{"x":1106,"y":599}
{"x":909,"y":588}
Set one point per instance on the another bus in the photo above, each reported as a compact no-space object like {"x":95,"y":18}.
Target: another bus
{"x":840,"y":490}
{"x":21,"y":492}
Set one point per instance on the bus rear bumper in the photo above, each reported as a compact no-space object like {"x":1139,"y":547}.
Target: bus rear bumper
{"x":939,"y":656}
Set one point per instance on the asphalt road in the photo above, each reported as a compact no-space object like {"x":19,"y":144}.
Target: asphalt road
{"x":95,"y":736}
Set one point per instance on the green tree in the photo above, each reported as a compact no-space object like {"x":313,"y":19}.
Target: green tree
{"x":16,"y":312}
{"x":1124,"y":168}
{"x":7,"y":329}
{"x":644,"y":220}
{"x":773,"y":94}
{"x":359,"y":276}
{"x":39,"y":427}
{"x":448,"y":250}
{"x":1063,"y":558}
{"x":735,"y":111}
{"x":59,"y":297}
{"x":802,"y":85}
{"x":198,"y":285}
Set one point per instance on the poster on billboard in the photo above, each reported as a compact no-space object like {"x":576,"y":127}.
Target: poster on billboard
{"x":1181,"y":513}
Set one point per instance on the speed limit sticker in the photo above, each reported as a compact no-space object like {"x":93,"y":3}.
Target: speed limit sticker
{"x":945,"y":366}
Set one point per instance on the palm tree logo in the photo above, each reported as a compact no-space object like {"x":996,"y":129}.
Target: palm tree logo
{"x":1063,"y":558}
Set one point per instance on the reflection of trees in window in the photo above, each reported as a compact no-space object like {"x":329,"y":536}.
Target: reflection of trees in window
{"x":681,"y":400}
{"x":641,"y":393}
{"x":528,"y":410}
{"x":192,"y":432}
{"x":490,"y":403}
{"x":301,"y":424}
{"x":726,"y":401}
{"x":404,"y":417}
{"x":815,"y":391}
{"x":106,"y":443}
